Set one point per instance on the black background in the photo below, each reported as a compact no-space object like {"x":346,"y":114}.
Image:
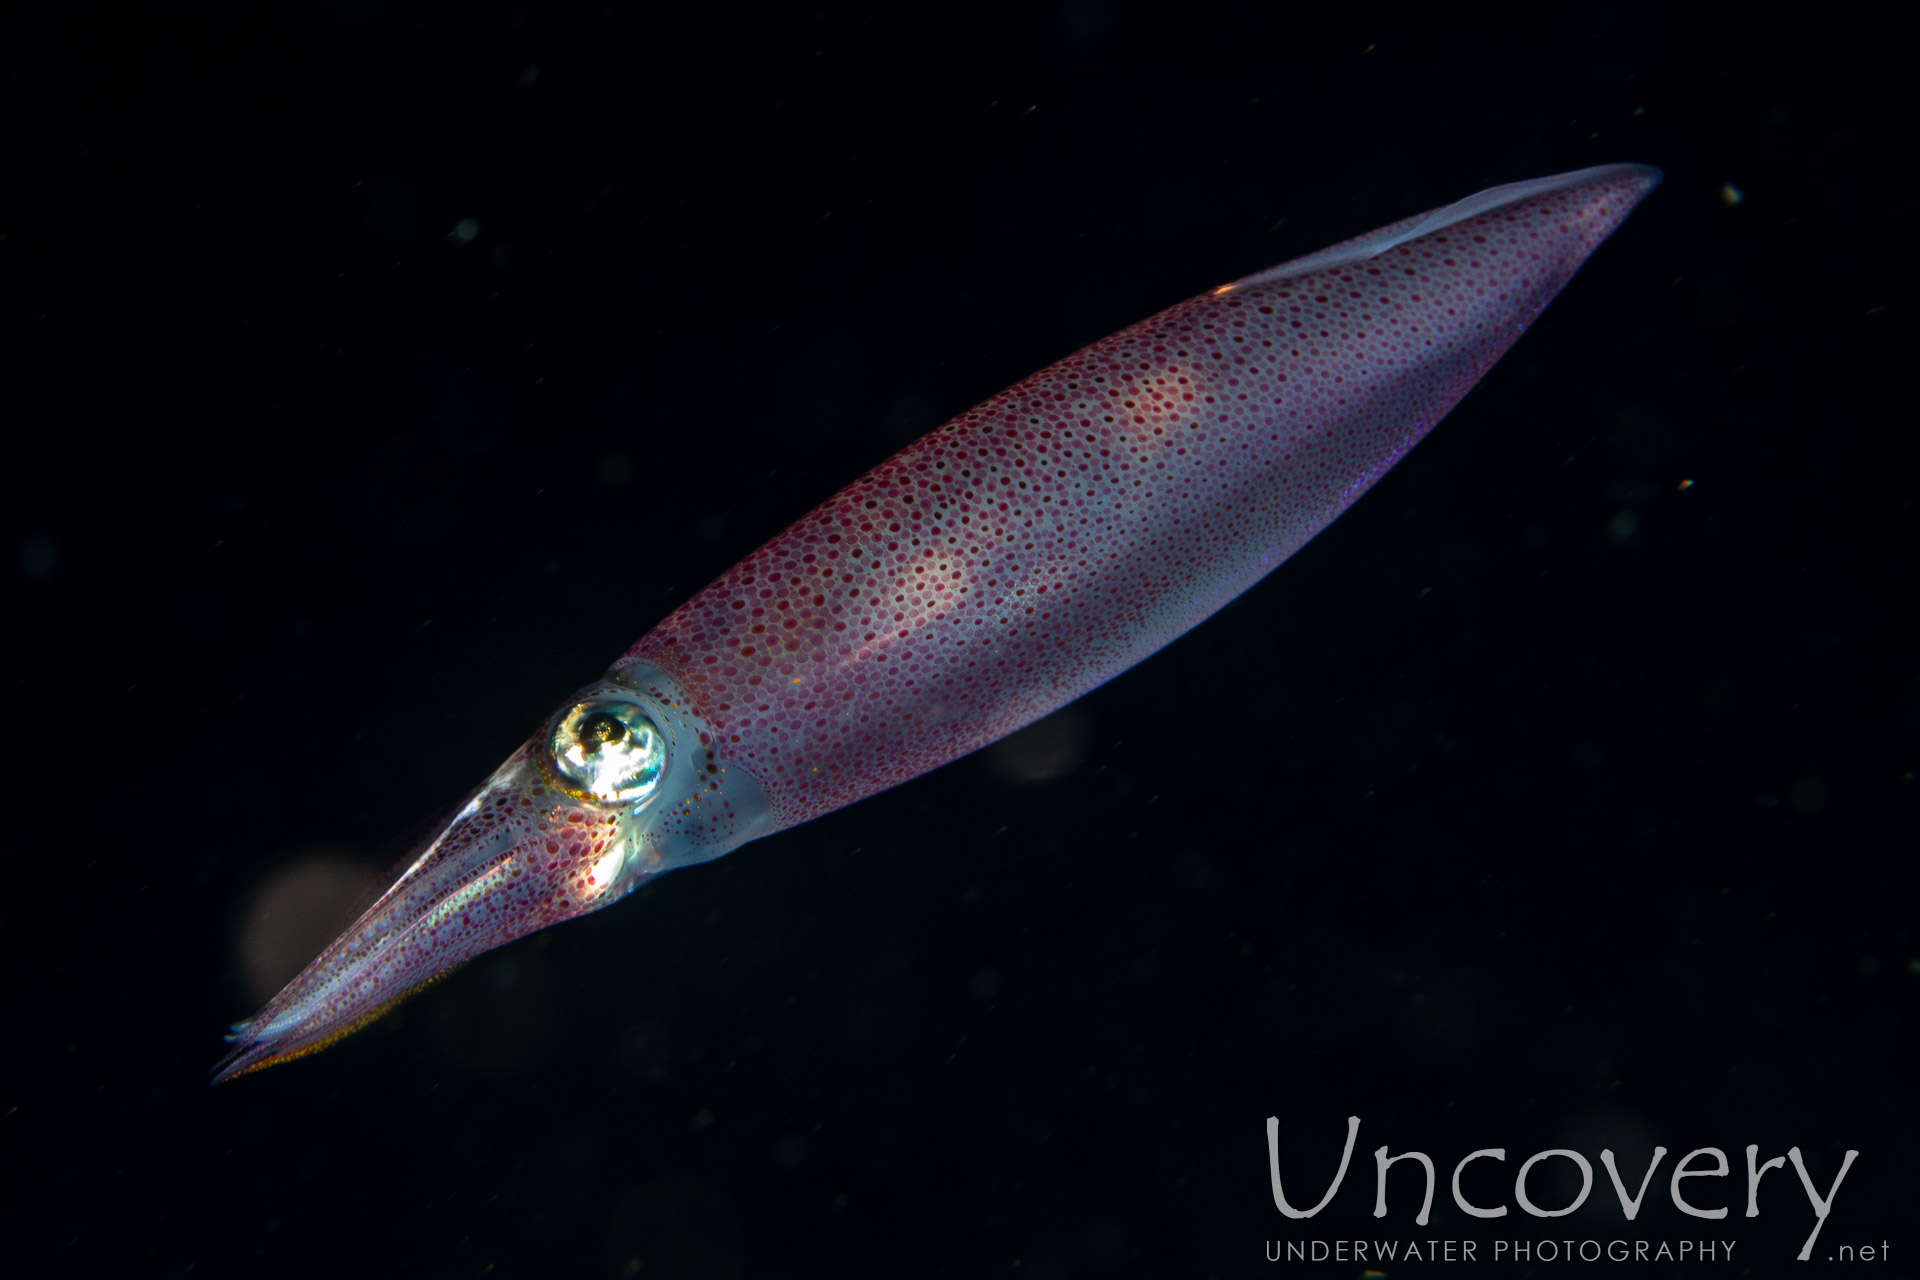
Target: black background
{"x":1538,"y":803}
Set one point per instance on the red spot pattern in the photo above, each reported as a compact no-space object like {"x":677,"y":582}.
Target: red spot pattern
{"x":1050,"y":538}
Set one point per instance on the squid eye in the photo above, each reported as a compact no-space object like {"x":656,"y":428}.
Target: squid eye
{"x":609,"y":750}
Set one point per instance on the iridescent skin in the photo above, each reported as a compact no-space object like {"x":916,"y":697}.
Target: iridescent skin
{"x":991,"y":572}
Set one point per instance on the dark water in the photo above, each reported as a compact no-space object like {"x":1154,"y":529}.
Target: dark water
{"x":1541,"y":803}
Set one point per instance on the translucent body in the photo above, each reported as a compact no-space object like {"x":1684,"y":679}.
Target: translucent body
{"x":1052,"y":537}
{"x":994,"y":570}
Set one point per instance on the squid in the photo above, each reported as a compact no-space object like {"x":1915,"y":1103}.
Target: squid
{"x":991,"y":572}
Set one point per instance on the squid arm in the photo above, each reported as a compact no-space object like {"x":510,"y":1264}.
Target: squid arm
{"x":996,"y":569}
